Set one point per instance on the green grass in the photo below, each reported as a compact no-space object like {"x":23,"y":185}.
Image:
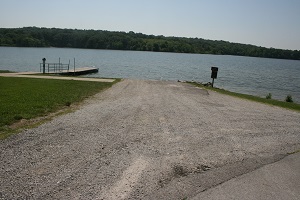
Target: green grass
{"x":5,"y":71}
{"x":26,"y":98}
{"x":288,"y":105}
{"x":297,"y":151}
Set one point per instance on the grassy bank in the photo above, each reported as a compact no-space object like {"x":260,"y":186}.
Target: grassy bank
{"x":288,"y":105}
{"x":26,"y":98}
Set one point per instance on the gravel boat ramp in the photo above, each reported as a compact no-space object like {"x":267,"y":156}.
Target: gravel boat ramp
{"x":146,"y":140}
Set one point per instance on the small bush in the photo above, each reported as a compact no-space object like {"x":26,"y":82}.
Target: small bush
{"x":5,"y":71}
{"x":68,"y":103}
{"x":269,"y":96}
{"x":289,"y":99}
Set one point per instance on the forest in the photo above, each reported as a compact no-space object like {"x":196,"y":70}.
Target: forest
{"x":101,"y":39}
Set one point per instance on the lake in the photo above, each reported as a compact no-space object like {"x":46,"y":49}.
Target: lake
{"x":248,"y":75}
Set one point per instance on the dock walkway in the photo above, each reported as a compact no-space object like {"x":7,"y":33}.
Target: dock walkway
{"x":39,"y":75}
{"x":80,"y":71}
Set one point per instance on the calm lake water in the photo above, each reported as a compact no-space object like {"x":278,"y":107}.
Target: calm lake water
{"x":256,"y":76}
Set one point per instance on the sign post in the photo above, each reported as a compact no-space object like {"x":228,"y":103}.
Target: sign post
{"x":44,"y":65}
{"x":214,"y":74}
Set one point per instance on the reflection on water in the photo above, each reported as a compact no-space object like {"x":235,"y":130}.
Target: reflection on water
{"x":257,"y":76}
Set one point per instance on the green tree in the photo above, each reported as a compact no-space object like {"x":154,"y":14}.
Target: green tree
{"x":54,"y":37}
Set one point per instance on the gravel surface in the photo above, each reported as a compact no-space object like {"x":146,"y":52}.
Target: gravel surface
{"x":145,"y":140}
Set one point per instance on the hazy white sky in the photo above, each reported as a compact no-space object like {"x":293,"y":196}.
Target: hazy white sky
{"x":268,"y":23}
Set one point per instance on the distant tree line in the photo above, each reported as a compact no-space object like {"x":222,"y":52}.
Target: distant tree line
{"x":98,"y":39}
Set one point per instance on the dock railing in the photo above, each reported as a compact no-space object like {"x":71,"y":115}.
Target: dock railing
{"x":55,"y":68}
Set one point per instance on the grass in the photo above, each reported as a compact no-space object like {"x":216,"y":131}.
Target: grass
{"x":26,"y":98}
{"x":297,"y":151}
{"x":288,"y":105}
{"x":5,"y":71}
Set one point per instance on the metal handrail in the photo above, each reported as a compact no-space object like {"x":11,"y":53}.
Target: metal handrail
{"x":56,"y":67}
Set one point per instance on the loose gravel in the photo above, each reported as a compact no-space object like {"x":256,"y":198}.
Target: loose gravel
{"x":145,"y":140}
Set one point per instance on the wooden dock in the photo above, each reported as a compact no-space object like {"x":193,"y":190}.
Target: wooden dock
{"x":80,"y":71}
{"x":65,"y":69}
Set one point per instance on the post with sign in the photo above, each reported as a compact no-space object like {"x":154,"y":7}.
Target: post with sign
{"x":44,"y":65}
{"x":214,"y":74}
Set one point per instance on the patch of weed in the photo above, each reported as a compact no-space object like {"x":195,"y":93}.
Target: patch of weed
{"x":289,"y":99}
{"x":288,"y":105}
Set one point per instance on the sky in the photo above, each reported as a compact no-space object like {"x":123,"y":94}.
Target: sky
{"x":267,"y":23}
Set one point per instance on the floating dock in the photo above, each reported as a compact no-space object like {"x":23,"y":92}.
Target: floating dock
{"x":80,"y":71}
{"x":65,"y":69}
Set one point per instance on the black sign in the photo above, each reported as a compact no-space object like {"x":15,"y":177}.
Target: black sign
{"x":214,"y":72}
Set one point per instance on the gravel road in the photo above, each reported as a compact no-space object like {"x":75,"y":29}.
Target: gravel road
{"x":145,"y":140}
